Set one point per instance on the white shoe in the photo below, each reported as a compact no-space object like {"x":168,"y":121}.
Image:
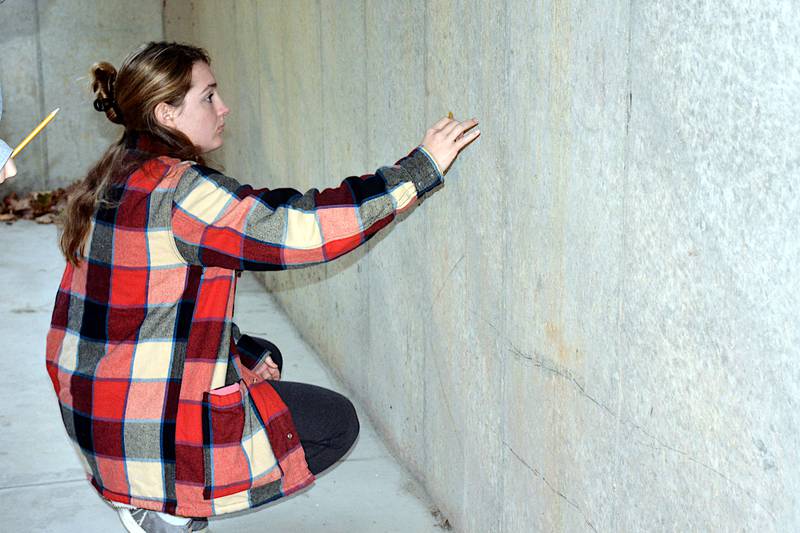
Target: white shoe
{"x":146,"y":521}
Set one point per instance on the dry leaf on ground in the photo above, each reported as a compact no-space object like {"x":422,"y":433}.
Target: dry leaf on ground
{"x":42,"y":206}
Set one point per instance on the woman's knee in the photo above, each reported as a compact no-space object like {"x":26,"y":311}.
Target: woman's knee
{"x":350,"y":423}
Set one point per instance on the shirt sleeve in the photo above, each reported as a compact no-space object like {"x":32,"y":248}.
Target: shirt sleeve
{"x":5,"y":153}
{"x":254,"y":350}
{"x":219,"y":222}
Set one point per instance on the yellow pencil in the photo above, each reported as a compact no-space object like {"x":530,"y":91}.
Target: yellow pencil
{"x":450,"y":114}
{"x":34,"y":133}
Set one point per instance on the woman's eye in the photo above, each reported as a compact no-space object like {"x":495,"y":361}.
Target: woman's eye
{"x":208,"y":98}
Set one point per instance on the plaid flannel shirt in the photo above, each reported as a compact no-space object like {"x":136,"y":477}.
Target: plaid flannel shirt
{"x":152,"y":389}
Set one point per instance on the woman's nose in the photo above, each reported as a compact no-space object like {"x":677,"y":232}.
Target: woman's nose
{"x":223,"y":109}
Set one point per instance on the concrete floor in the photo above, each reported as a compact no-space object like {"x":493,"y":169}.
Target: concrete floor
{"x":42,"y":486}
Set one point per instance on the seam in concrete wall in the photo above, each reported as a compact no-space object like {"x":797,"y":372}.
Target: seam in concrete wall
{"x":615,"y":503}
{"x":502,"y":518}
{"x":40,"y":73}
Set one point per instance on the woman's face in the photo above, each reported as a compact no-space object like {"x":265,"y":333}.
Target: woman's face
{"x":201,"y":116}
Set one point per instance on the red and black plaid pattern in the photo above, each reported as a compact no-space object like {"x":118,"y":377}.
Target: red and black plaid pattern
{"x":151,"y":386}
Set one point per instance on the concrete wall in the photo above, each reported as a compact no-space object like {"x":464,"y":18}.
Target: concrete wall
{"x":593,"y":326}
{"x":46,"y":50}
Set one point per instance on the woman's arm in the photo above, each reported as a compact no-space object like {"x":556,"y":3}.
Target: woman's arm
{"x":218,"y":222}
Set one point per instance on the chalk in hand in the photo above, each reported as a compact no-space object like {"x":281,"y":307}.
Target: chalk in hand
{"x":34,"y":133}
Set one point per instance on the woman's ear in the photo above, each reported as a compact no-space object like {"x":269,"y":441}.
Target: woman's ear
{"x":165,"y":115}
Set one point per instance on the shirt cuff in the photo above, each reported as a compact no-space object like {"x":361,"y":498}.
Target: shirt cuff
{"x":432,"y":160}
{"x":423,"y":171}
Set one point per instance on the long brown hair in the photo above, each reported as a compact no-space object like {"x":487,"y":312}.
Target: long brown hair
{"x":157,"y":72}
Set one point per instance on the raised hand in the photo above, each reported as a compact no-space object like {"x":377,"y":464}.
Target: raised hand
{"x":445,"y":140}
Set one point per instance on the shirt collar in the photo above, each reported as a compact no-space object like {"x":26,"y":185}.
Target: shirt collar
{"x":146,"y":143}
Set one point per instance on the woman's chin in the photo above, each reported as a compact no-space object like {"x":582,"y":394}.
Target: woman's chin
{"x":212,"y":147}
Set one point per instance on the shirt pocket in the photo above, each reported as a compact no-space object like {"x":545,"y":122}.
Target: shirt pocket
{"x":237,"y":453}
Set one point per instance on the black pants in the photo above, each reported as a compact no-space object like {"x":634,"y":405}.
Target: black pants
{"x":325,"y":421}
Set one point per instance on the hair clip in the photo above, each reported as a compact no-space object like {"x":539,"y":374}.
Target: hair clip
{"x":103,"y":104}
